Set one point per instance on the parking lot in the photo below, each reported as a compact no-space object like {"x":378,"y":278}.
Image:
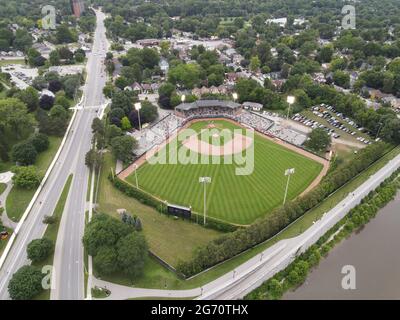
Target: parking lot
{"x":336,"y":124}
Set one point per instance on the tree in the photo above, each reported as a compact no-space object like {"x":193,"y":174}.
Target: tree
{"x":123,"y":147}
{"x":30,"y":97}
{"x":15,"y":117}
{"x":108,"y":90}
{"x":79,"y":55}
{"x":132,"y":252}
{"x":62,"y":100}
{"x":94,"y":159}
{"x":126,"y":124}
{"x":46,"y":102}
{"x":341,"y":79}
{"x":39,"y":249}
{"x":255,"y":64}
{"x":103,"y":231}
{"x":121,"y":82}
{"x":185,"y":75}
{"x":40,"y":141}
{"x":165,"y":92}
{"x":275,"y":289}
{"x":54,"y":58}
{"x":98,"y":126}
{"x":26,"y":283}
{"x":319,"y":140}
{"x":325,"y":54}
{"x":105,"y":260}
{"x":113,"y":131}
{"x":34,"y":58}
{"x":26,"y":177}
{"x":24,"y":153}
{"x":71,"y":85}
{"x":65,"y":35}
{"x":148,"y":113}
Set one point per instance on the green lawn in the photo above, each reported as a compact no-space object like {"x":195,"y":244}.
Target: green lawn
{"x":18,"y":199}
{"x":11,"y":61}
{"x":52,"y":231}
{"x":3,"y":187}
{"x":170,"y":239}
{"x":233,"y":198}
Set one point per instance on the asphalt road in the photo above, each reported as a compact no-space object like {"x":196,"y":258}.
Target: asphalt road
{"x":68,"y":260}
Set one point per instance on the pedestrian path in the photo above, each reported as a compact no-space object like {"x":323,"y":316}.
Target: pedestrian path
{"x":6,"y":221}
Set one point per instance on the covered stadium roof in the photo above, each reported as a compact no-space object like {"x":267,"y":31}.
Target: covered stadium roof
{"x":207,"y":104}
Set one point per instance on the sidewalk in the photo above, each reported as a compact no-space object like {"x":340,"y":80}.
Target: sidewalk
{"x":6,"y":179}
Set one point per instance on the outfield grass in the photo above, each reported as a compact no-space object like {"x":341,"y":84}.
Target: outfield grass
{"x":156,"y":276}
{"x":18,"y":199}
{"x":52,"y":232}
{"x":232,"y":198}
{"x":170,"y":239}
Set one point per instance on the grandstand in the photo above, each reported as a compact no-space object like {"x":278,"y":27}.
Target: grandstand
{"x":208,"y":108}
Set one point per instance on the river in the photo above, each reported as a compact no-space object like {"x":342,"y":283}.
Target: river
{"x":375,"y":254}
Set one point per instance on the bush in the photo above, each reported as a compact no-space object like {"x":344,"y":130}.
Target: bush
{"x":39,"y":249}
{"x":24,"y":153}
{"x":26,"y":177}
{"x":40,"y":141}
{"x":115,"y":245}
{"x":105,"y":260}
{"x":49,"y":219}
{"x":132,"y":252}
{"x":26,"y":283}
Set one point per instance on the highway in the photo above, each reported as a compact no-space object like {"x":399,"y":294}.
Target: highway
{"x":68,"y":258}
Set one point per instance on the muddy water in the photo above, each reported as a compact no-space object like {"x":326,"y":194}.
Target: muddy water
{"x":375,"y":254}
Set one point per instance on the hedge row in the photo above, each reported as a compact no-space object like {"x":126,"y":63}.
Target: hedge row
{"x":295,"y":274}
{"x":229,"y":245}
{"x":151,"y":201}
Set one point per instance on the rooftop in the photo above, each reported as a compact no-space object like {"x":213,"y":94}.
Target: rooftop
{"x":207,"y":103}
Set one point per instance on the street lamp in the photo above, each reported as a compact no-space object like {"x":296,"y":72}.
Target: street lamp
{"x":136,"y":166}
{"x":138,"y":106}
{"x":290,"y":100}
{"x":205,"y":181}
{"x":288,"y":173}
{"x":235,"y":96}
{"x":183,"y":98}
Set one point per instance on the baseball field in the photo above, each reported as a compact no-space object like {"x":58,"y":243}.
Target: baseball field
{"x":238,"y":199}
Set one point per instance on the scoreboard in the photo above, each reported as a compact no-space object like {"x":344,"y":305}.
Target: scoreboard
{"x":179,"y":211}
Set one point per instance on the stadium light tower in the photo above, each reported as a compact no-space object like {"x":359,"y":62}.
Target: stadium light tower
{"x":290,"y":100}
{"x":288,"y":173}
{"x":138,"y":106}
{"x":205,"y":181}
{"x":137,"y":184}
